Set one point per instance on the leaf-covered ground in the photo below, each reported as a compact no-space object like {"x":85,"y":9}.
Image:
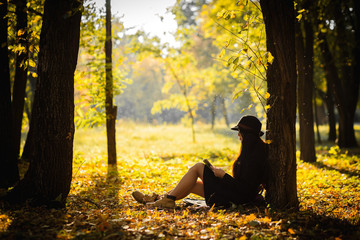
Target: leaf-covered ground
{"x":153,"y":159}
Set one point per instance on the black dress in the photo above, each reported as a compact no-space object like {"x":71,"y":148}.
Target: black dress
{"x":243,"y":189}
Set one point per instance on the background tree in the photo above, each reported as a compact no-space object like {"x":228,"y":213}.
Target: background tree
{"x":322,"y":93}
{"x":281,"y":79}
{"x":19,"y":87}
{"x":190,"y":22}
{"x":304,"y":54}
{"x":182,"y":73}
{"x":338,"y":32}
{"x":111,"y":110}
{"x":9,"y":171}
{"x":90,"y":76}
{"x":34,"y":15}
{"x":49,"y":176}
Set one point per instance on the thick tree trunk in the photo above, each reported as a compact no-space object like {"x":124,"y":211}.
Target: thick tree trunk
{"x":111,"y":110}
{"x":304,"y":55}
{"x":281,"y":78}
{"x":49,"y":176}
{"x":20,"y":74}
{"x":349,"y":82}
{"x":8,"y":163}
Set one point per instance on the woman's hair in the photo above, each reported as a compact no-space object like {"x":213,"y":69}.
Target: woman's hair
{"x":250,"y":142}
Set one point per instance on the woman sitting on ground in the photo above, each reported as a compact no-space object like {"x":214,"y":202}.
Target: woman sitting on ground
{"x":213,"y":183}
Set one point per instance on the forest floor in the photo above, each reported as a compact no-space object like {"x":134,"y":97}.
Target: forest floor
{"x":153,"y":159}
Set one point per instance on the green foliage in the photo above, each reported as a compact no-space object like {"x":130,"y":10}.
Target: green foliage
{"x":182,"y":81}
{"x":240,"y":34}
{"x":34,"y":12}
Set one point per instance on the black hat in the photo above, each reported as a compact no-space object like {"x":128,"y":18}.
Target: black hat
{"x":249,"y":123}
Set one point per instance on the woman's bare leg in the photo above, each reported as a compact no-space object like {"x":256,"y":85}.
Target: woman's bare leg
{"x":189,"y":183}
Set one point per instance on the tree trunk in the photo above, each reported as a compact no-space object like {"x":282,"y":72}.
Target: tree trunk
{"x":330,"y":106}
{"x":9,"y":173}
{"x":349,"y":82}
{"x":344,"y":106}
{"x":213,"y":112}
{"x":20,"y":73}
{"x":191,"y":115}
{"x":111,"y":110}
{"x":304,"y":55}
{"x":316,"y":119}
{"x":28,"y":152}
{"x":224,"y":110}
{"x":331,"y":114}
{"x":281,"y":78}
{"x":49,"y":176}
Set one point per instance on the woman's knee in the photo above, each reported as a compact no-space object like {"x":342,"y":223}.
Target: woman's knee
{"x":198,"y":167}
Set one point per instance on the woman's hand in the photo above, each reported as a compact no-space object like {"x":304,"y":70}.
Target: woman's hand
{"x":218,"y":172}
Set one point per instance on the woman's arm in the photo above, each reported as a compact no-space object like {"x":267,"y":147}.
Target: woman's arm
{"x":249,"y":177}
{"x":218,"y":172}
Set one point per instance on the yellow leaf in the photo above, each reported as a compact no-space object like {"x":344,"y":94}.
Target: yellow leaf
{"x":222,"y":53}
{"x":228,"y":43}
{"x":32,"y":63}
{"x":291,"y":231}
{"x":258,"y":61}
{"x":243,"y":237}
{"x":299,"y":17}
{"x":270,"y":58}
{"x":301,"y":11}
{"x":232,"y":15}
{"x":34,"y":75}
{"x":267,"y":95}
{"x":221,"y":13}
{"x":266,"y":219}
{"x":21,"y":32}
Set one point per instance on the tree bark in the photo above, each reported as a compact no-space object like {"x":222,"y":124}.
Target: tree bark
{"x":281,"y":78}
{"x":9,"y":173}
{"x":331,"y":113}
{"x":111,"y":110}
{"x":330,"y":106}
{"x":20,"y":73}
{"x":316,"y":119}
{"x":49,"y":176}
{"x":304,"y":55}
{"x":344,"y":105}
